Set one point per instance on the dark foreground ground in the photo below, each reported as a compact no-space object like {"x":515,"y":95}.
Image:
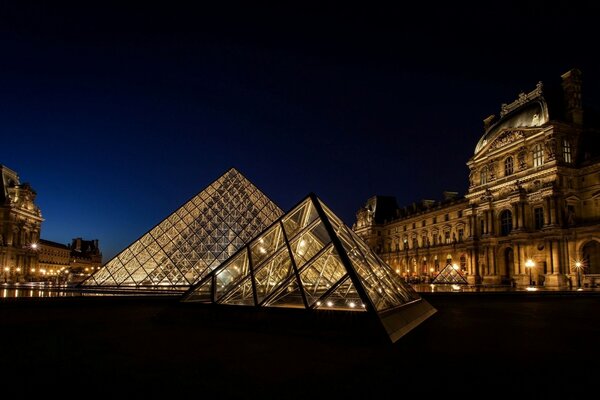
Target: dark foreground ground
{"x":475,"y":346}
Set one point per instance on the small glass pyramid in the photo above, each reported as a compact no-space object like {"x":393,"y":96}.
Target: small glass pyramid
{"x":194,"y":240}
{"x":450,"y":275}
{"x":309,"y":259}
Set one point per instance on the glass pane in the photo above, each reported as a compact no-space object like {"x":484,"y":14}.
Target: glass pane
{"x":289,"y":296}
{"x":450,"y":275}
{"x":266,"y":245}
{"x":320,"y":275}
{"x":299,"y":218}
{"x":272,"y":273}
{"x":241,"y":295}
{"x":309,"y":243}
{"x":227,"y":277}
{"x":344,"y":297}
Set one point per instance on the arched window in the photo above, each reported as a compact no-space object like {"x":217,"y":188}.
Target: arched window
{"x":508,"y":166}
{"x":566,"y":150}
{"x":505,"y":222}
{"x":483,"y":176}
{"x":538,"y":155}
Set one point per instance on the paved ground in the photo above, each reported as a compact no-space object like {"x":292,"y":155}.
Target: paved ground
{"x":477,"y":344}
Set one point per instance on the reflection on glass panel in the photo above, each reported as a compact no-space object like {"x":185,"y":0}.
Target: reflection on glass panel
{"x":241,"y":295}
{"x":304,"y":214}
{"x":289,"y":296}
{"x":321,"y":274}
{"x":203,"y":293}
{"x":272,"y":273}
{"x":266,"y":245}
{"x":344,"y":297}
{"x":309,"y":243}
{"x":236,"y":269}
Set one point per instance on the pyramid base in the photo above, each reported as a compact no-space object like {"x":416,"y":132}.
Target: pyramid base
{"x":399,"y":321}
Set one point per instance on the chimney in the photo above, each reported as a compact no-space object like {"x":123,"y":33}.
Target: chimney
{"x":487,"y":122}
{"x":449,"y":195}
{"x":571,"y":83}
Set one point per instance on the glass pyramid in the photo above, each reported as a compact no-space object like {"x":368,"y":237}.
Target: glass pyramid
{"x":450,"y":275}
{"x":194,"y":240}
{"x":309,"y":259}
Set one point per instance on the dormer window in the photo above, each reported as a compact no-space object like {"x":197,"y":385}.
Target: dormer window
{"x":483,"y":176}
{"x":508,"y":166}
{"x":566,"y":150}
{"x":538,"y":156}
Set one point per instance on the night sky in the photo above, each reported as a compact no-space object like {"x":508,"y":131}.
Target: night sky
{"x":118,"y":113}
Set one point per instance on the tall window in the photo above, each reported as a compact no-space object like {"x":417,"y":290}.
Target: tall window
{"x":483,"y":176}
{"x":566,"y":147}
{"x":447,"y":237}
{"x":424,"y":241}
{"x":482,"y":226}
{"x":508,"y":166}
{"x":463,"y":263}
{"x":505,"y":222}
{"x":461,"y":234}
{"x":538,"y":155}
{"x":538,"y":215}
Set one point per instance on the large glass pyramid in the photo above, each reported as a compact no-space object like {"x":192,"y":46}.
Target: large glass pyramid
{"x":309,"y":259}
{"x":188,"y":244}
{"x":450,"y":274}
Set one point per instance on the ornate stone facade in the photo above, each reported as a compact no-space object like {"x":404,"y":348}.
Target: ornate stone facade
{"x":534,"y":195}
{"x":20,"y":224}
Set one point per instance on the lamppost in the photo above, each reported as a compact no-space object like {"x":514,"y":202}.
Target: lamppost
{"x":578,"y":267}
{"x":530,"y":264}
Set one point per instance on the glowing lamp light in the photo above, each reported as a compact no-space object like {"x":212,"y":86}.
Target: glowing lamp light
{"x":34,"y":245}
{"x":32,"y":269}
{"x":6,"y":269}
{"x":318,"y":303}
{"x":329,"y":303}
{"x":529,"y":264}
{"x":397,"y":271}
{"x":18,"y":269}
{"x":455,"y":266}
{"x":352,"y":304}
{"x":430,"y":269}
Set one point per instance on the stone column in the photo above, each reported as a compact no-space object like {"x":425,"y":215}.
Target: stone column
{"x":518,"y":260}
{"x":554,"y":277}
{"x":515,"y":214}
{"x":558,"y":214}
{"x":547,"y":213}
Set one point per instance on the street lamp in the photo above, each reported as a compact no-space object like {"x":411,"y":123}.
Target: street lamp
{"x":530,"y":264}
{"x":578,"y":267}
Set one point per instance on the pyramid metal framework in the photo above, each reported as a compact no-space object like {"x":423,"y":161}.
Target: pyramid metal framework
{"x":450,"y":275}
{"x":309,"y":259}
{"x":195,"y":239}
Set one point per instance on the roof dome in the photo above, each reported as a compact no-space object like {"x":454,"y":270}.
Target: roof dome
{"x":528,"y":111}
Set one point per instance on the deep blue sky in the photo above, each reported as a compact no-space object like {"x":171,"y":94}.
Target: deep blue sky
{"x":117,"y":114}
